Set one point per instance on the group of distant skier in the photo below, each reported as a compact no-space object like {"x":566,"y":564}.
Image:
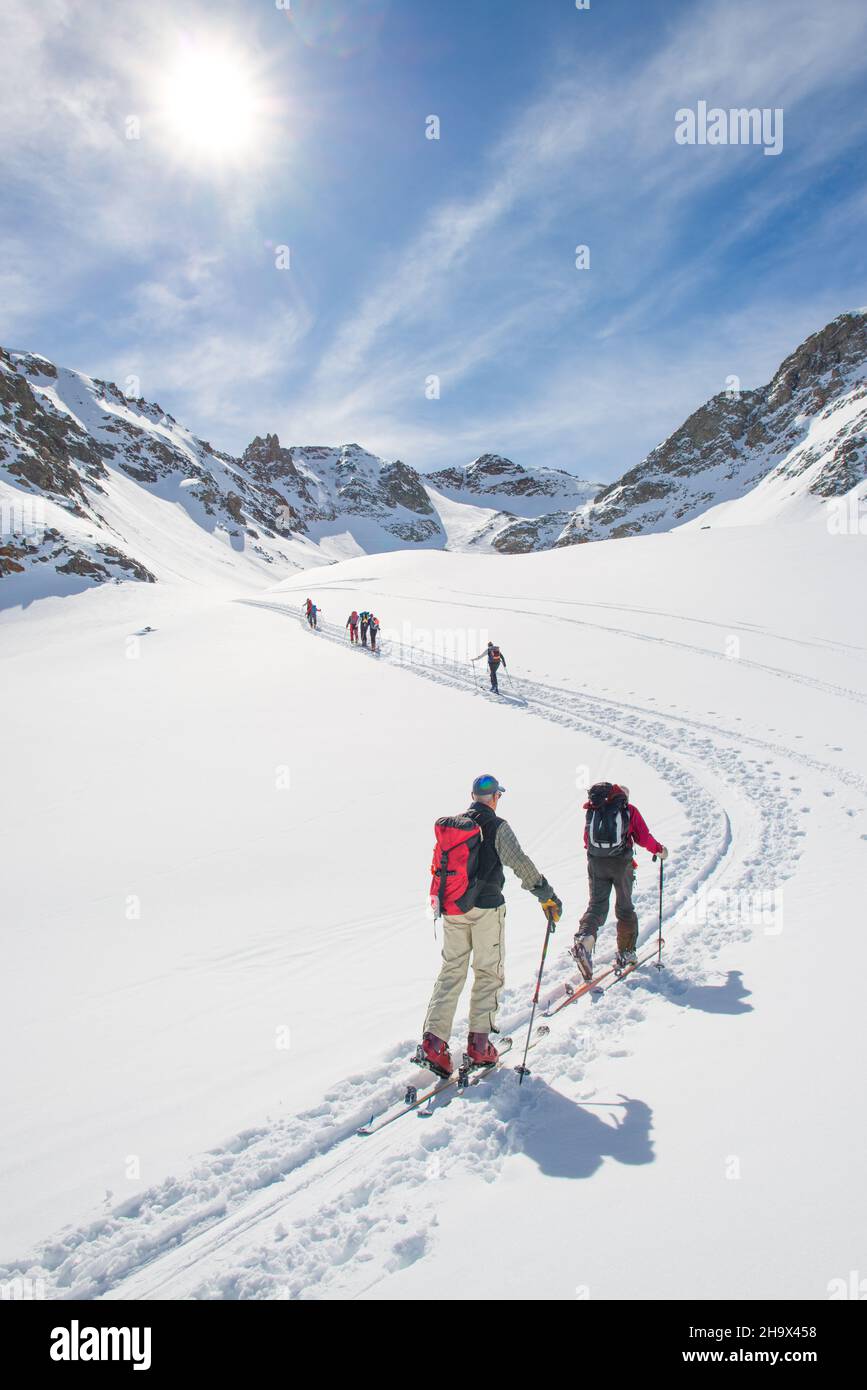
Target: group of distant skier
{"x":363,"y":627}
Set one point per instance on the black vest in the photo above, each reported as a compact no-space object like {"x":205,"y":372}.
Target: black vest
{"x":491,"y":878}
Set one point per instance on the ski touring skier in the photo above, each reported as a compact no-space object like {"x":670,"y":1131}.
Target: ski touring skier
{"x":364,"y":621}
{"x":467,"y":887}
{"x":612,"y":827}
{"x":312,"y":614}
{"x":373,"y":630}
{"x":495,"y":660}
{"x":352,"y":624}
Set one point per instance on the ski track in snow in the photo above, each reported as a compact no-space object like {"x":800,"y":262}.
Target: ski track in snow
{"x":304,"y":1208}
{"x":813,"y":682}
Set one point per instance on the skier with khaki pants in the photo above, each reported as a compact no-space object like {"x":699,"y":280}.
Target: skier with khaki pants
{"x":468,"y":882}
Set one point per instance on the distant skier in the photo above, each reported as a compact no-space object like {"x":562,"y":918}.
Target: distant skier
{"x":373,"y":630}
{"x":364,"y":621}
{"x":352,"y":624}
{"x":612,"y":827}
{"x":495,"y":660}
{"x":308,"y":605}
{"x":313,"y":615}
{"x":467,"y":885}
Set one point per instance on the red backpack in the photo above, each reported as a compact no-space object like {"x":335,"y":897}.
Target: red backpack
{"x":455,"y":866}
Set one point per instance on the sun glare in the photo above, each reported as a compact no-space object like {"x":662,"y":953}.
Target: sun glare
{"x":210,"y":105}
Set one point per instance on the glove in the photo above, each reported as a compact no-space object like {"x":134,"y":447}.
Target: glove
{"x":553,"y":906}
{"x":662,"y":853}
{"x":548,"y":898}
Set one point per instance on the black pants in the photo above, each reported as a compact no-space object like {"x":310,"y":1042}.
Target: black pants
{"x":617,"y":872}
{"x":364,"y":634}
{"x":494,"y":686}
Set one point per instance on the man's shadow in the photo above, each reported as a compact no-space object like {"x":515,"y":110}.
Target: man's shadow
{"x":570,"y":1139}
{"x":728,"y":998}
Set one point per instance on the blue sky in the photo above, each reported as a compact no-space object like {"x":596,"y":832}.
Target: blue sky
{"x":154,"y":257}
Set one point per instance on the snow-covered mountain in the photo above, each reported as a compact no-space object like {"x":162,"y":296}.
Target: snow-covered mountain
{"x":498,"y":480}
{"x":529,"y":507}
{"x":345,"y":493}
{"x":752,"y":455}
{"x":97,"y":486}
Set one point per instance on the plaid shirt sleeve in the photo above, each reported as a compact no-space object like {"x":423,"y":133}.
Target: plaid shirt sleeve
{"x":510,"y":853}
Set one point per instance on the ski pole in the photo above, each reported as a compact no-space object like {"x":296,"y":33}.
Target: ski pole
{"x":659,"y":951}
{"x":523,"y":1070}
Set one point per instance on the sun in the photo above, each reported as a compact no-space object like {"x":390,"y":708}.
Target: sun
{"x":210,"y":104}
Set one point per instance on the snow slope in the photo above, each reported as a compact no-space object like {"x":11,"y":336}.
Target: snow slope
{"x":198,"y":826}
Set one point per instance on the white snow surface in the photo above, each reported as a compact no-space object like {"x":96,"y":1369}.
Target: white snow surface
{"x":218,"y":956}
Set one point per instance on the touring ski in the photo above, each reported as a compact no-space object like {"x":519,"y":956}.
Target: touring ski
{"x":586,"y":987}
{"x":462,"y":1077}
{"x":589,"y":986}
{"x":650,"y":955}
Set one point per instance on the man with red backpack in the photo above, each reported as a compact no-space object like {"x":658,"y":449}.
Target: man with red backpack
{"x":612,"y":827}
{"x":467,"y":889}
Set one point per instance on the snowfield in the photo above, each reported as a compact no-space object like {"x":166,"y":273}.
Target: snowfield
{"x":218,"y":958}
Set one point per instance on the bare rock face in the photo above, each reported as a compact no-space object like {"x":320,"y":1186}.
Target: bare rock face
{"x":110,"y":564}
{"x":97,"y":562}
{"x":493,"y":477}
{"x":319,"y":487}
{"x":52,"y":453}
{"x":402,"y":487}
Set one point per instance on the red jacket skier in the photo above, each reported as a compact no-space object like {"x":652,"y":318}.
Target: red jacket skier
{"x":612,"y":827}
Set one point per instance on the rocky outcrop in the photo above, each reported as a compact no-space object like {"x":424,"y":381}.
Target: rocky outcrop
{"x":806,"y":426}
{"x":320,"y":487}
{"x":492,"y":477}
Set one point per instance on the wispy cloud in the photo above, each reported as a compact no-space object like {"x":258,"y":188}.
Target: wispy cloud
{"x":165,"y":274}
{"x":729,"y":53}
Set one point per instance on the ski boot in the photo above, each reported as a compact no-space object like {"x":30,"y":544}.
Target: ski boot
{"x":433,"y":1052}
{"x":582,"y":953}
{"x":480,"y":1051}
{"x":624,"y":960}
